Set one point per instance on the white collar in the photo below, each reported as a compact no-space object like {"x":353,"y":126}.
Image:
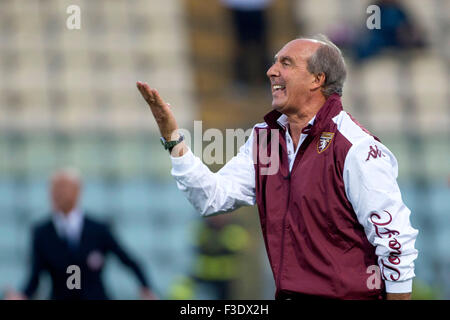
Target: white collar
{"x":283,"y":121}
{"x":69,"y":225}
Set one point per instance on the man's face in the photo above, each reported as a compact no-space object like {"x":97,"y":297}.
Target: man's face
{"x":64,"y":193}
{"x":290,"y":80}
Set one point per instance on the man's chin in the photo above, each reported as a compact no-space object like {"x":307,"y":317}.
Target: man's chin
{"x":277,"y":106}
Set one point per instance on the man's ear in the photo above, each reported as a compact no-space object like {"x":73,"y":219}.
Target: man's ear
{"x":319,"y":80}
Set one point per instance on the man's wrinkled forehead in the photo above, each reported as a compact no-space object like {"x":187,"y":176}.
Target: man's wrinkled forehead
{"x":299,"y":48}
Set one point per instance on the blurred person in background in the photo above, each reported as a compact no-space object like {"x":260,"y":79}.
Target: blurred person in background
{"x":330,"y":208}
{"x":218,"y":244}
{"x":398,"y":30}
{"x":71,"y":237}
{"x":250,"y":38}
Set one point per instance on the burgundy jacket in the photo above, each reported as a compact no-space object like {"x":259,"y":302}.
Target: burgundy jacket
{"x":315,"y":244}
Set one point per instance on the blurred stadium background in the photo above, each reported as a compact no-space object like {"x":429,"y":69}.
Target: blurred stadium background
{"x":68,"y":97}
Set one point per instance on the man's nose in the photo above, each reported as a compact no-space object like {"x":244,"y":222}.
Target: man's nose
{"x":273,"y":71}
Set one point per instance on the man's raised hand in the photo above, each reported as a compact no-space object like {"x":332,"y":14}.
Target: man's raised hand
{"x":160,"y":110}
{"x":163,"y":115}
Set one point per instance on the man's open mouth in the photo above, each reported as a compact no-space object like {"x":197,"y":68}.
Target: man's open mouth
{"x":278,"y":87}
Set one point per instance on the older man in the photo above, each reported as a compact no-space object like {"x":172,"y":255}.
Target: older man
{"x":68,"y":238}
{"x":330,"y":208}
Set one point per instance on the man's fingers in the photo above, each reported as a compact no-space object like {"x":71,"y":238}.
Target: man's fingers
{"x":144,"y":92}
{"x":161,"y":111}
{"x":149,"y":93}
{"x":158,"y":99}
{"x":159,"y":108}
{"x":154,"y":96}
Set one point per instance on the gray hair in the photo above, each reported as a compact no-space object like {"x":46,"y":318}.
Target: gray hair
{"x":328,"y":59}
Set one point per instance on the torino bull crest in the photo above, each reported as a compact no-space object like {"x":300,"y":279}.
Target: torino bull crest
{"x":324,"y":141}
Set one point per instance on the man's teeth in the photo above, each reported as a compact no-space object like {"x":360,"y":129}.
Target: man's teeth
{"x":278,"y":87}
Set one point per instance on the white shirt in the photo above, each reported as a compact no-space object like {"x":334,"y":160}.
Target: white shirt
{"x":283,"y":121}
{"x":69,"y":226}
{"x":370,"y":186}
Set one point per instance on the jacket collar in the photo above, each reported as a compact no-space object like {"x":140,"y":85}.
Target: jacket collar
{"x":283,"y":122}
{"x":330,"y":108}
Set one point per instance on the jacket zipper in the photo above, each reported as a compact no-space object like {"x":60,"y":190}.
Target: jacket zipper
{"x":301,"y":151}
{"x":280,"y":265}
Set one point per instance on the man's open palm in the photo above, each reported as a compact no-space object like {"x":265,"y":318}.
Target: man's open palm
{"x":161,"y":111}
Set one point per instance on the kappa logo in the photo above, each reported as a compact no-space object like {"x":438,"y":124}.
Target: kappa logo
{"x":324,"y":141}
{"x":374,"y":152}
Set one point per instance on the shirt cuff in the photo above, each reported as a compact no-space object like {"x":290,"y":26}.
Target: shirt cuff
{"x":399,"y":286}
{"x":181,"y":165}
